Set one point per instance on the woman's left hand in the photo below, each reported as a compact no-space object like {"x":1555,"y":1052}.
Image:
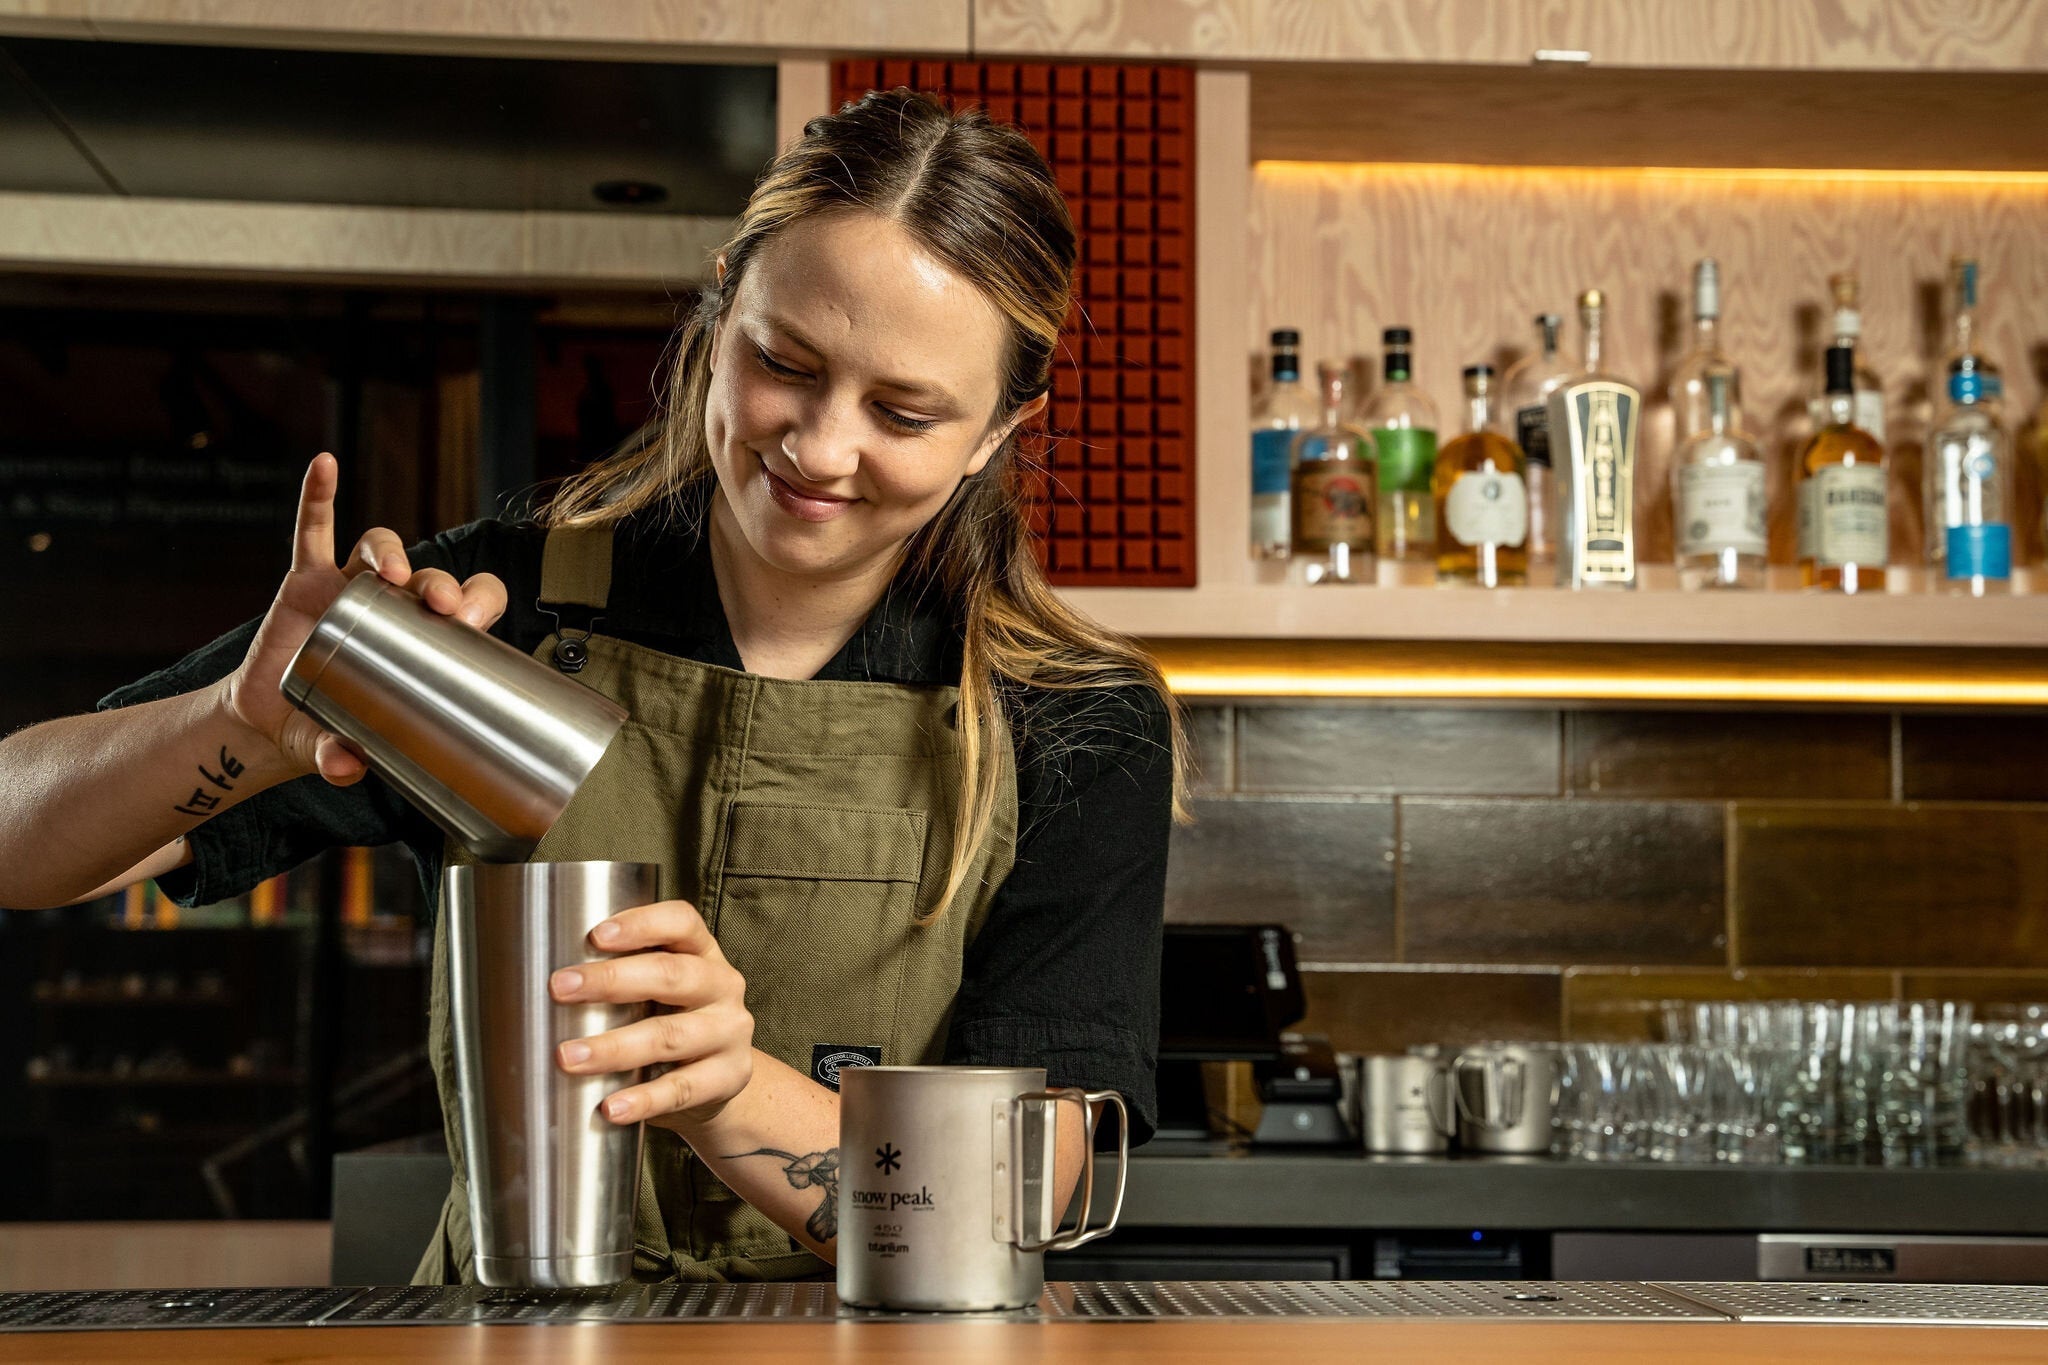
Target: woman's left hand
{"x":701,"y":1030}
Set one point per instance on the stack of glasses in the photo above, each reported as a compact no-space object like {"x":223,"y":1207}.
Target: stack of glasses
{"x":1799,"y":1082}
{"x":2009,"y":1085}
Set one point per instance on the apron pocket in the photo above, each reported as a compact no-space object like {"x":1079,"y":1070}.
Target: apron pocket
{"x":817,"y":909}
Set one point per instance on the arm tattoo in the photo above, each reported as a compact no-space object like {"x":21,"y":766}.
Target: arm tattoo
{"x":819,"y":1171}
{"x":202,"y":802}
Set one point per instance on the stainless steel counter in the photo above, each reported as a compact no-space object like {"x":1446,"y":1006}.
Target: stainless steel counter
{"x":1603,"y":1301}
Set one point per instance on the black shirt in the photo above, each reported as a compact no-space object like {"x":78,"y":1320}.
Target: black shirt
{"x":1064,"y":973}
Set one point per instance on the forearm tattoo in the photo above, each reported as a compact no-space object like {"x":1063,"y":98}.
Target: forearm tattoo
{"x":818,"y":1171}
{"x":204,"y":803}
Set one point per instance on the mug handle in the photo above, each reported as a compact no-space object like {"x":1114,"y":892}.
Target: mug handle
{"x":1440,"y":1097}
{"x":1080,"y":1233}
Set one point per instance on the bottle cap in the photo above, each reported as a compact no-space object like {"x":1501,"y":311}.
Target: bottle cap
{"x":1286,"y":336}
{"x":1397,"y":336}
{"x":1479,"y":371}
{"x":1706,"y":288}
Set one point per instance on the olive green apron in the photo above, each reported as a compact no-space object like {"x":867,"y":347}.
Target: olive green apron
{"x":811,"y":823}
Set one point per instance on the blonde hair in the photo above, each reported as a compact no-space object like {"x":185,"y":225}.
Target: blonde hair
{"x":979,"y":197}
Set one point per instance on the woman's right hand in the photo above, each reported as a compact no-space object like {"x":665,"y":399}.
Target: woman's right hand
{"x":315,"y":580}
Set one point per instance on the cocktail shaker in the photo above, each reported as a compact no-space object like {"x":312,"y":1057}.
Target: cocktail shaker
{"x":552,"y":1181}
{"x":489,"y":742}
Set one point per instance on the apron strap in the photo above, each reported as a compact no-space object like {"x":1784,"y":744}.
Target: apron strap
{"x":576,"y":567}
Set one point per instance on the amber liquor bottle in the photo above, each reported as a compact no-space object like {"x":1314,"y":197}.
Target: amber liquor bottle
{"x":1482,"y":500}
{"x":1842,"y":499}
{"x":1334,"y":501}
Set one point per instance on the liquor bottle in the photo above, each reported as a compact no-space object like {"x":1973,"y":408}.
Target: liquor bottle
{"x":1482,"y":502}
{"x":1848,"y":331}
{"x":1718,"y":500}
{"x":1593,"y":421}
{"x":1969,"y":489}
{"x":1284,"y":409}
{"x":1526,"y":394}
{"x":1689,"y":404}
{"x":1402,"y":421}
{"x":1968,"y":466}
{"x":1845,"y":527}
{"x":1334,"y":497}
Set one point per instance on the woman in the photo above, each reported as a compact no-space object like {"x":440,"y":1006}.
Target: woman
{"x":907,"y":807}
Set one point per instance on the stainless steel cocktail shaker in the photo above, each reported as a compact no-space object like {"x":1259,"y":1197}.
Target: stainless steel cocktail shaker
{"x":489,"y":742}
{"x":551,"y":1180}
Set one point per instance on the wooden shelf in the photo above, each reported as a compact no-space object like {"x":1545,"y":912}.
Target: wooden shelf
{"x":1605,"y":116}
{"x":1658,"y":613}
{"x":1785,"y":35}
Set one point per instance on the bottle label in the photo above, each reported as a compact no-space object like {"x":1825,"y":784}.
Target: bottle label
{"x":1407,"y":456}
{"x":1980,"y":551}
{"x":1721,"y":507}
{"x":1487,"y":507}
{"x":1849,"y":516}
{"x":1594,"y":422}
{"x":1272,"y":466}
{"x":1332,"y":506}
{"x":1532,"y":432}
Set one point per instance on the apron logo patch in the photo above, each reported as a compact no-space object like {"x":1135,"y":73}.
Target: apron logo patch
{"x":829,"y":1059}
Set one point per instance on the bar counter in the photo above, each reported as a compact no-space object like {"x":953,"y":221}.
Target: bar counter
{"x":1108,"y":1343}
{"x":1093,"y":1321}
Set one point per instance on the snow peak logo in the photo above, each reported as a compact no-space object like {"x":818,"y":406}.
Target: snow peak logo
{"x":892,"y":1200}
{"x":829,"y":1059}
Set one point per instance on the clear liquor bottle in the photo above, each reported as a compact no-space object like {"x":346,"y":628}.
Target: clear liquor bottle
{"x":1718,"y":500}
{"x":1689,"y":403}
{"x":1594,"y":417}
{"x":1526,"y":391}
{"x":1844,"y":521}
{"x":1334,"y":498}
{"x":1284,"y":409}
{"x":1969,"y":488}
{"x":1482,"y":501}
{"x":1402,"y":421}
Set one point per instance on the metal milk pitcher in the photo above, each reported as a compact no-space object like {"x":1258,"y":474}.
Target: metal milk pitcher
{"x":1506,"y":1097}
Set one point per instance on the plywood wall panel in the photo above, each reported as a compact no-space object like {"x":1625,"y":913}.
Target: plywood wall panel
{"x":1468,"y":255}
{"x":622,"y":29}
{"x":1784,"y":34}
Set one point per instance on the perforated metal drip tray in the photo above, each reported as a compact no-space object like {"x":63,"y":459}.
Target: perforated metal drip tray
{"x":1129,"y":1301}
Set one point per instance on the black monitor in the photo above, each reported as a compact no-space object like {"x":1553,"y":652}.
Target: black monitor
{"x":1226,"y":992}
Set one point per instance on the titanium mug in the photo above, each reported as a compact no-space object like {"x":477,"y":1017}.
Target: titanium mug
{"x":488,"y":741}
{"x":1406,"y":1104}
{"x":552,"y":1181}
{"x":946,"y":1197}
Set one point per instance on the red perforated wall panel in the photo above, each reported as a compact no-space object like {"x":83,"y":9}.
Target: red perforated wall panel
{"x":1116,"y":506}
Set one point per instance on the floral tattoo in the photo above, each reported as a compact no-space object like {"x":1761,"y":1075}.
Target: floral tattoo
{"x":818,"y":1171}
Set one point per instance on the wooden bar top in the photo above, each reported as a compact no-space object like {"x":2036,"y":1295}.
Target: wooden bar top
{"x":1382,"y":1342}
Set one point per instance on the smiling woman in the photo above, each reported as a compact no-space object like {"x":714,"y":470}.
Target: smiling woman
{"x":907,"y":808}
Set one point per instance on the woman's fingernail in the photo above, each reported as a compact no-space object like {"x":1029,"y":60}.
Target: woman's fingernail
{"x":568,"y":981}
{"x":575,"y":1054}
{"x":616,"y":1108}
{"x":606,"y":932}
